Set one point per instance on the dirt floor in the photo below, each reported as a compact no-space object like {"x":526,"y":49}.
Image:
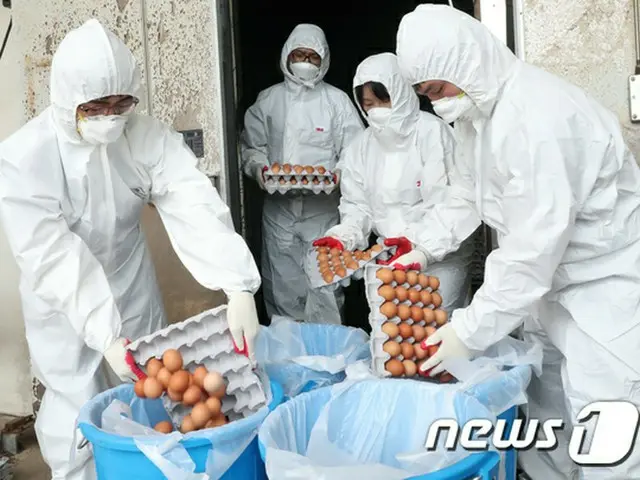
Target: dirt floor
{"x":28,"y":464}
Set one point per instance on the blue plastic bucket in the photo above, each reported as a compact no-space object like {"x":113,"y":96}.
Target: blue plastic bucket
{"x":306,"y":408}
{"x":117,"y":457}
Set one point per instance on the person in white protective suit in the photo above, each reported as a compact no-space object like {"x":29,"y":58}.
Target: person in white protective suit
{"x":301,"y":121}
{"x":546,"y":166}
{"x":73,"y":183}
{"x":403,"y":152}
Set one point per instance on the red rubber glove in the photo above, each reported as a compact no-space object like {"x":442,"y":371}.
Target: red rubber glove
{"x":330,"y":242}
{"x":403,"y":246}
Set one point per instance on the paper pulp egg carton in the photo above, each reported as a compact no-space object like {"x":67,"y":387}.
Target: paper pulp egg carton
{"x":205,"y":340}
{"x":312,"y":263}
{"x":301,"y":181}
{"x":376,"y":319}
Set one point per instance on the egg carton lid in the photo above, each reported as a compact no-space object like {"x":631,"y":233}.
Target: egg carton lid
{"x":316,"y":280}
{"x":273,"y":187}
{"x":205,"y":340}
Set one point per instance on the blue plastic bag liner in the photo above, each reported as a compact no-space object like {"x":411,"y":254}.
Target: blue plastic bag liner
{"x":119,"y":411}
{"x":300,"y":356}
{"x":377,"y":428}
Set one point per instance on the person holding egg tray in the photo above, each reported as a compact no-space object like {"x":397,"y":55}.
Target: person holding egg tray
{"x":73,"y":185}
{"x":548,"y":169}
{"x":385,"y":173}
{"x":302,"y":121}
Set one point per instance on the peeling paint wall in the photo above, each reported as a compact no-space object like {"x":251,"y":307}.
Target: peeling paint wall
{"x":590,"y":43}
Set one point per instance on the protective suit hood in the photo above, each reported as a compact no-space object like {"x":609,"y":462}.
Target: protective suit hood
{"x":90,"y":63}
{"x":405,"y":106}
{"x":310,"y":36}
{"x":437,"y":42}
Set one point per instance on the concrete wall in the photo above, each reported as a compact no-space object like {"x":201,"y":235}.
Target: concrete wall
{"x":590,"y":43}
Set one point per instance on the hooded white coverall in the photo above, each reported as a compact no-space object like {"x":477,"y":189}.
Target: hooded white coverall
{"x":71,"y":211}
{"x":300,"y":123}
{"x":546,"y":167}
{"x":383,"y":173}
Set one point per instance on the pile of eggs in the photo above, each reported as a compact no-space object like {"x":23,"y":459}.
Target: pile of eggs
{"x":333,"y":262}
{"x":311,"y":174}
{"x":202,"y":390}
{"x":411,"y":309}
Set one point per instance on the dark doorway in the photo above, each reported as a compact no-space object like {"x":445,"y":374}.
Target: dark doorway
{"x":354,"y":30}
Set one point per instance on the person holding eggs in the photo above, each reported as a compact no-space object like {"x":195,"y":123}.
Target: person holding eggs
{"x":548,"y":169}
{"x":386,"y":173}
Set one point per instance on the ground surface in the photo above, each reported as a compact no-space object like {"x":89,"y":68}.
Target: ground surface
{"x":28,"y":464}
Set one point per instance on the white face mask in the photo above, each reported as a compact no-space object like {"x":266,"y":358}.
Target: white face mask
{"x":378,"y":118}
{"x":304,"y":70}
{"x":102,"y":129}
{"x":451,"y":109}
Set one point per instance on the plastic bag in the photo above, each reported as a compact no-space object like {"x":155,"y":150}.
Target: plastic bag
{"x":372,"y":428}
{"x":301,"y":356}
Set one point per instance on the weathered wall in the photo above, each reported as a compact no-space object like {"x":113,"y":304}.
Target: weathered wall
{"x":590,"y":43}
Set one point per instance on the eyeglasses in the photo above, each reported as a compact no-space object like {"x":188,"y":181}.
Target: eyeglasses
{"x":98,"y":107}
{"x":302,"y":56}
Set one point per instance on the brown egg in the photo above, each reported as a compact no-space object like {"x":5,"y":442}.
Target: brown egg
{"x":164,"y":427}
{"x":323,"y":250}
{"x":434,"y":283}
{"x":385,"y":275}
{"x":164,"y":376}
{"x":441,"y":317}
{"x":392,"y":348}
{"x":341,"y":272}
{"x":358,"y":255}
{"x":336,"y":262}
{"x":401,"y":294}
{"x":327,"y":181}
{"x":198,"y":376}
{"x":366,"y":256}
{"x":416,"y":314}
{"x":429,"y":331}
{"x":387,"y":292}
{"x":410,"y":368}
{"x":187,"y":425}
{"x":218,"y":421}
{"x":275,"y":168}
{"x":214,"y":405}
{"x":298,"y":169}
{"x":221,"y":392}
{"x":138,"y":388}
{"x":179,"y":381}
{"x":316,"y":181}
{"x":394,"y":367}
{"x":436,"y":299}
{"x":200,"y":414}
{"x":174,"y":396}
{"x":418,"y":333}
{"x":335,"y":252}
{"x":390,"y":329}
{"x":429,"y":316}
{"x":377,"y":248}
{"x":423,"y":280}
{"x":404,"y":312}
{"x":414,"y":295}
{"x":293,"y":181}
{"x":282,"y":181}
{"x":405,"y":330}
{"x":172,"y":360}
{"x":400,"y":276}
{"x":309,"y":169}
{"x":353,"y":265}
{"x":153,"y":367}
{"x":407,"y":350}
{"x":212,"y":382}
{"x":323,"y":257}
{"x":445,"y":377}
{"x":328,"y":277}
{"x":425,"y":297}
{"x":412,"y":278}
{"x":152,"y":388}
{"x":286,"y":168}
{"x":209,"y":424}
{"x":389,"y":309}
{"x":322,"y":170}
{"x":432,"y":350}
{"x":420,"y":352}
{"x":192,"y":395}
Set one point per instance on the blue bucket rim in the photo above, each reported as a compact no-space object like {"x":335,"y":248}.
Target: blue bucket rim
{"x":96,"y":435}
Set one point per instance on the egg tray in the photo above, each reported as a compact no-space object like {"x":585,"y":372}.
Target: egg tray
{"x":311,"y":267}
{"x":272,"y":183}
{"x":376,"y":319}
{"x":205,"y":340}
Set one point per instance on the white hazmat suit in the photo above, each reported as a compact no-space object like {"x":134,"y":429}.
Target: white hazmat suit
{"x":385,"y":170}
{"x":548,"y":169}
{"x":300,"y":122}
{"x":71,"y":210}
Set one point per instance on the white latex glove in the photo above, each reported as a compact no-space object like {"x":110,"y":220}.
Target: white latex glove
{"x":450,"y":347}
{"x":414,"y":260}
{"x":121,"y":361}
{"x":242,"y":318}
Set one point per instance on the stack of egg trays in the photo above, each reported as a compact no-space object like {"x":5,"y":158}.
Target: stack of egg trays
{"x":205,"y":340}
{"x":376,"y":319}
{"x":272,"y":182}
{"x":311,"y":267}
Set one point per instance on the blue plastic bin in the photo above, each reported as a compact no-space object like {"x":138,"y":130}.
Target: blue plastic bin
{"x":306,"y":408}
{"x":117,"y":457}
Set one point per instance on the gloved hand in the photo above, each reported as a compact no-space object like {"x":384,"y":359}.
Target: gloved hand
{"x":121,"y":361}
{"x":414,"y":260}
{"x":330,"y":242}
{"x":242,"y":318}
{"x":260,"y":176}
{"x":403,"y":246}
{"x":450,"y":346}
{"x":336,"y":177}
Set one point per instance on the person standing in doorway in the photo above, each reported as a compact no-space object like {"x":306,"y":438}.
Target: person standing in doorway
{"x":300,"y":121}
